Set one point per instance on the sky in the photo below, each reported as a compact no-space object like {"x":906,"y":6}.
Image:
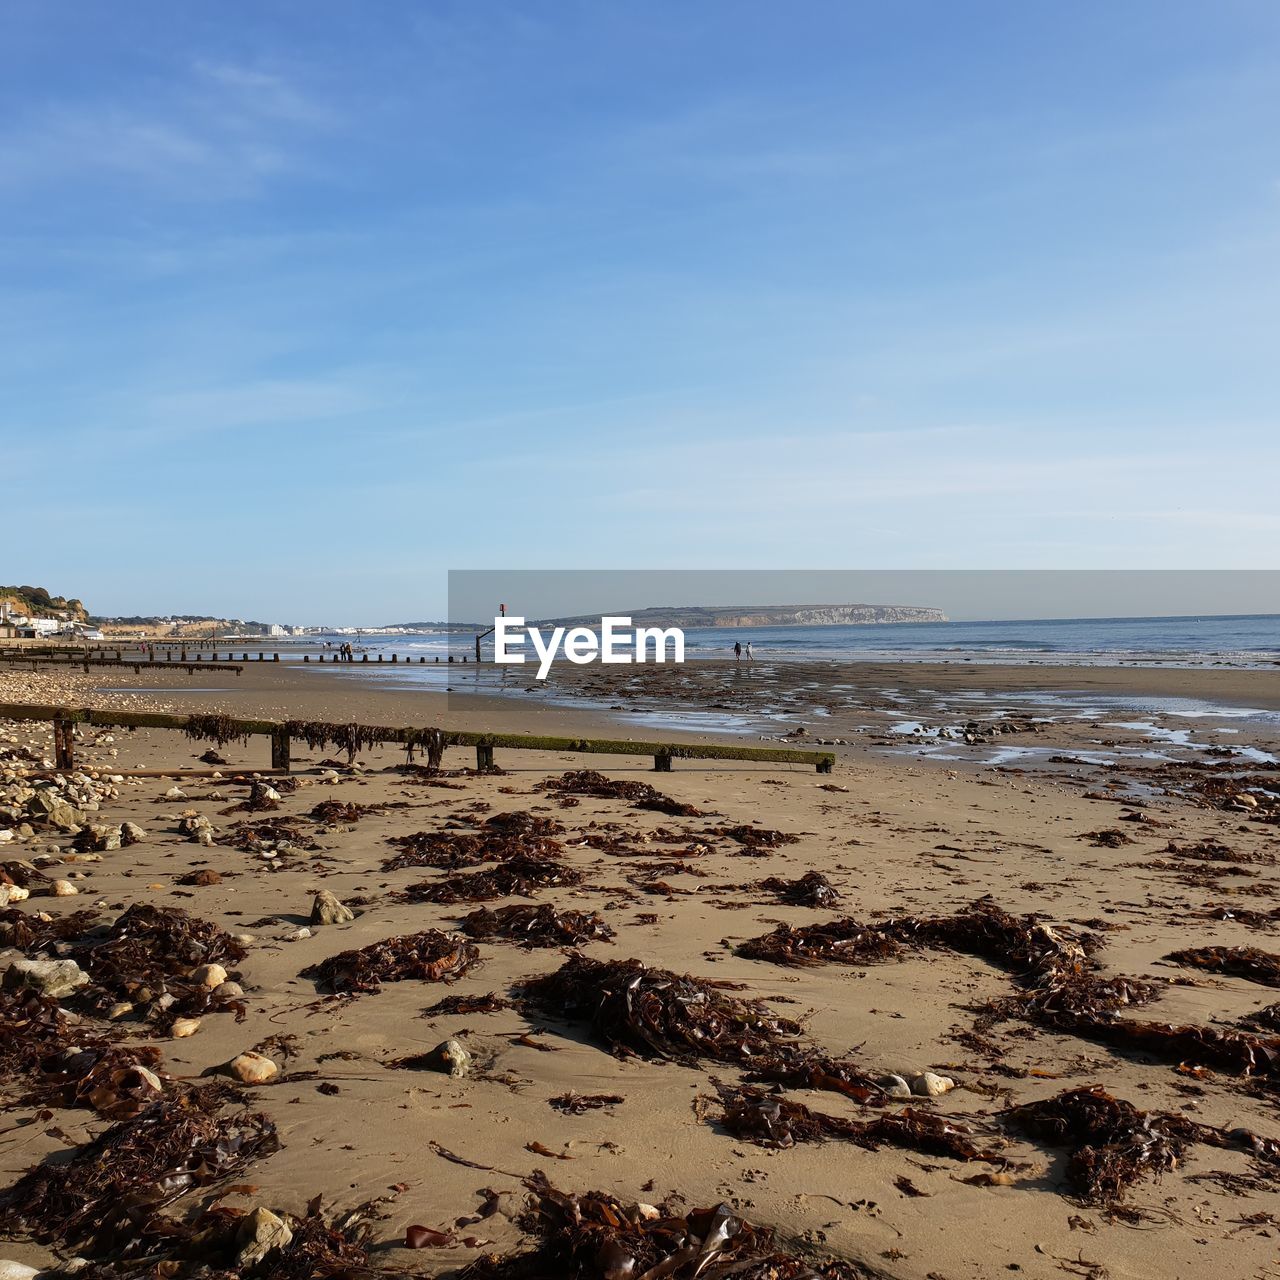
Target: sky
{"x":304,"y":304}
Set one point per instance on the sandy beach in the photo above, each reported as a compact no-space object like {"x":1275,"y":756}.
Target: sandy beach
{"x":1126,"y":861}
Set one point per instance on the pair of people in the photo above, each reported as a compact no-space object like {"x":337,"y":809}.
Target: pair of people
{"x":737,"y":651}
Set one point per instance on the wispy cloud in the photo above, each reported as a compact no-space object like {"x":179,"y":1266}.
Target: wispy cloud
{"x":214,"y":131}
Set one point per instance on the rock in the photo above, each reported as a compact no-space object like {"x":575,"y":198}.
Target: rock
{"x":65,"y":818}
{"x":121,"y":1009}
{"x":1249,"y":802}
{"x":927,"y":1085}
{"x":62,"y":889}
{"x":98,"y":837}
{"x":131,"y":833}
{"x":253,"y":1068}
{"x":184,"y":1027}
{"x":16,"y":1270}
{"x":52,"y":978}
{"x":175,"y":793}
{"x":894,"y":1086}
{"x":13,"y":893}
{"x":298,"y":934}
{"x":230,"y":991}
{"x":260,"y":1233}
{"x":450,"y":1057}
{"x":326,"y":909}
{"x":209,"y":976}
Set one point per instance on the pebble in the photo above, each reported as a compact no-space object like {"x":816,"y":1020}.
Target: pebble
{"x":450,"y":1057}
{"x":16,"y":1270}
{"x":894,"y":1086}
{"x":53,"y":978}
{"x":63,"y":889}
{"x":184,"y":1027}
{"x":209,"y":976}
{"x":928,"y":1085}
{"x":326,"y":909}
{"x":175,"y":793}
{"x":253,"y":1068}
{"x":260,"y":1233}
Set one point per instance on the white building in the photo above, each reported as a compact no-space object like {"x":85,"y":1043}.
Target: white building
{"x":275,"y":629}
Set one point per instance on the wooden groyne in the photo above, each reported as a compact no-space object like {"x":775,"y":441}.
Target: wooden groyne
{"x":354,"y":737}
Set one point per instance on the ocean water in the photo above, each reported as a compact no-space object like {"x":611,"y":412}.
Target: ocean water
{"x":1243,"y":641}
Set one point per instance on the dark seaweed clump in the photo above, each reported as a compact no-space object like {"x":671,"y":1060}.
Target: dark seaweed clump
{"x":587,"y":782}
{"x":755,"y":839}
{"x":109,"y":1196}
{"x":842,"y":941}
{"x":653,"y":1013}
{"x":499,"y":839}
{"x":431,"y":956}
{"x":1252,"y":963}
{"x":595,"y":1236}
{"x":540,"y":926}
{"x":812,"y":889}
{"x":522,"y":877}
{"x":770,"y":1120}
{"x":1112,"y":1143}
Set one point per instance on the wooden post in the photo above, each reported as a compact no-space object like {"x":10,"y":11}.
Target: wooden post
{"x":662,"y":762}
{"x":477,"y":648}
{"x":63,"y":744}
{"x":484,"y":756}
{"x":280,"y":748}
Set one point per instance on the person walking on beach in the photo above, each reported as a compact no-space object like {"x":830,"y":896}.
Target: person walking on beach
{"x":737,"y":650}
{"x":750,"y":655}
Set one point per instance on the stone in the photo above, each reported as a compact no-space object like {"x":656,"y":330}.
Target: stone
{"x":253,"y":1068}
{"x":98,"y":837}
{"x":928,"y":1085}
{"x":52,"y":978}
{"x":209,"y":976}
{"x":62,"y":889}
{"x":13,"y":893}
{"x":450,"y":1057}
{"x":131,"y":833}
{"x":259,"y":1234}
{"x":326,"y":909}
{"x":175,"y":793}
{"x":230,"y":991}
{"x":65,"y":817}
{"x":184,"y":1027}
{"x":16,"y":1270}
{"x":894,"y":1086}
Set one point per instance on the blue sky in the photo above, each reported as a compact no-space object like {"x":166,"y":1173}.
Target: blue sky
{"x":303,"y":304}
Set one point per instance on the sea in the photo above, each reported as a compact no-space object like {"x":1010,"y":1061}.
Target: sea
{"x":1245,"y":640}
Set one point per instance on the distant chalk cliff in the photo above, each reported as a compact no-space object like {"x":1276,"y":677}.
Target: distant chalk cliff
{"x":772,"y":615}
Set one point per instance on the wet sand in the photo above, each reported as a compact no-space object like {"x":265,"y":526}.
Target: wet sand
{"x":898,"y":836}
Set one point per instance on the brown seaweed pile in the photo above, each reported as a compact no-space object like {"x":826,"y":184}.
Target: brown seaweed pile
{"x":595,"y":1236}
{"x":770,"y":1120}
{"x":518,"y":877}
{"x":333,"y":812}
{"x":109,"y":1196}
{"x":499,"y":839}
{"x":755,"y":838}
{"x":430,"y":956}
{"x":1112,"y":1143}
{"x":30,"y":933}
{"x":1262,"y":967}
{"x":269,"y":834}
{"x":654,"y":1013}
{"x":842,"y":941}
{"x":490,"y":1003}
{"x":812,"y":889}
{"x":540,"y":926}
{"x":587,"y":782}
{"x":147,"y":957}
